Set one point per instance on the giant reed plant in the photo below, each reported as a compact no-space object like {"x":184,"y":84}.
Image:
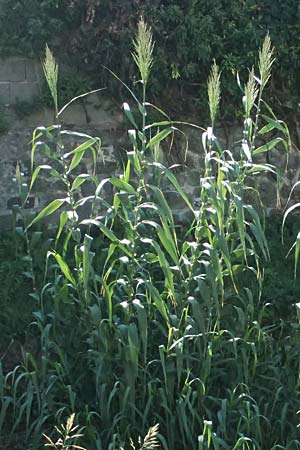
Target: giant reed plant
{"x":142,"y":322}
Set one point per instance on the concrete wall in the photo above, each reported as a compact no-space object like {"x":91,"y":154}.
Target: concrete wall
{"x":19,"y":80}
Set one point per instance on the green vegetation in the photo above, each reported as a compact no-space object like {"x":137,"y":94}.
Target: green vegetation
{"x":16,"y":307}
{"x":139,"y":321}
{"x":70,"y":84}
{"x":4,"y":122}
{"x":99,"y":34}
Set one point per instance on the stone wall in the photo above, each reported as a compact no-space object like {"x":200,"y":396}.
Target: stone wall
{"x":97,"y":116}
{"x":20,"y":84}
{"x":15,"y":148}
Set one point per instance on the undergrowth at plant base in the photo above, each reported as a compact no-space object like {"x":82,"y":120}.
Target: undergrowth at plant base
{"x":16,"y":305}
{"x":140,"y":322}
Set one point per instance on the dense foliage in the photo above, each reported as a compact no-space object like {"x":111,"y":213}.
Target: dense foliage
{"x":189,"y":34}
{"x":141,"y":320}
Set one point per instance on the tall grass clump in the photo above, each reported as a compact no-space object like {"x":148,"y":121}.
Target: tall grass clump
{"x":142,"y":321}
{"x":143,"y":51}
{"x":51,"y":74}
